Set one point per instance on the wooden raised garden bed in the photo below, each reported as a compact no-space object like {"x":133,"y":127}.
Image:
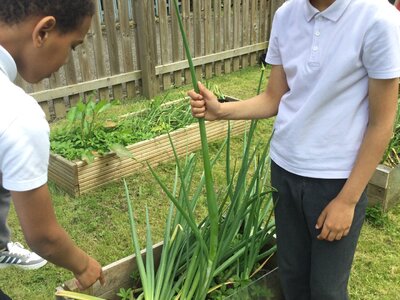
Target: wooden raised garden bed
{"x":78,"y":177}
{"x":119,"y":275}
{"x":384,"y":187}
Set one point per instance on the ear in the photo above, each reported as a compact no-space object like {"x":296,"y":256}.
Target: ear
{"x":42,"y":29}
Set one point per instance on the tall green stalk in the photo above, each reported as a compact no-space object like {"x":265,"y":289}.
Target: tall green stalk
{"x":211,"y":197}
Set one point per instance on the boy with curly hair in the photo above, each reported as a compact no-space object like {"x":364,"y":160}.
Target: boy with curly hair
{"x":36,"y":38}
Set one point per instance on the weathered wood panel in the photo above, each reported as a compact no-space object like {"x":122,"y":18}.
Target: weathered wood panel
{"x":128,"y":47}
{"x":384,"y":187}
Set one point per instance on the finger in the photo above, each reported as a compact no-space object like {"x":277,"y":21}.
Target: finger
{"x":194,"y":96}
{"x":198,"y":110}
{"x":200,"y":115}
{"x":197,"y":103}
{"x":204,"y":91}
{"x":331,"y":236}
{"x":321,"y":220}
{"x":339,"y":236}
{"x":324,"y":233}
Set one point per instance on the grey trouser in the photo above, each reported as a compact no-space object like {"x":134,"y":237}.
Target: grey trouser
{"x":5,"y":201}
{"x":310,"y":268}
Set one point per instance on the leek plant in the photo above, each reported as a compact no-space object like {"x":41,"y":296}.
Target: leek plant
{"x":245,"y":227}
{"x":228,"y":246}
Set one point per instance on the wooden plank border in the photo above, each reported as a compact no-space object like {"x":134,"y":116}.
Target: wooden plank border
{"x":384,"y":187}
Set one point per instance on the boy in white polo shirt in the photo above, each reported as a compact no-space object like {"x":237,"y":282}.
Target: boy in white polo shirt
{"x":333,"y":88}
{"x":36,"y":38}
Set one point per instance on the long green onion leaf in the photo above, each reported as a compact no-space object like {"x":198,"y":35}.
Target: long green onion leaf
{"x":211,"y":197}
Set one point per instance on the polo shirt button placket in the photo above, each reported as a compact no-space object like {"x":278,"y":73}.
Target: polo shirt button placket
{"x":314,"y":61}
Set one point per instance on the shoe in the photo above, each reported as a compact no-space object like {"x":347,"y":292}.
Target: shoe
{"x":16,"y":255}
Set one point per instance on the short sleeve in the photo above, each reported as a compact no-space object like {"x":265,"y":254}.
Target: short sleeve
{"x":25,"y":156}
{"x":381,"y":48}
{"x":273,"y":54}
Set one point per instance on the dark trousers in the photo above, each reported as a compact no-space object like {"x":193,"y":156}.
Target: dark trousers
{"x":5,"y":201}
{"x":4,"y":296}
{"x":310,"y":268}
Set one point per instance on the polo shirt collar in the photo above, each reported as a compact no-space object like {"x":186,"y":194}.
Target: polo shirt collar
{"x":7,"y":64}
{"x":333,"y":12}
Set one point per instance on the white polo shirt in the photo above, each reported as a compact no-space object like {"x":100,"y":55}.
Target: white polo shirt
{"x":24,"y":133}
{"x":328,"y":57}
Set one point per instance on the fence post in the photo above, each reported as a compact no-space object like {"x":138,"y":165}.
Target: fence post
{"x":144,"y":15}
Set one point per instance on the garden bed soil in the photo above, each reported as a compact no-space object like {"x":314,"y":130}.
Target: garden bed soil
{"x":119,"y":275}
{"x":384,"y":187}
{"x":79,"y":177}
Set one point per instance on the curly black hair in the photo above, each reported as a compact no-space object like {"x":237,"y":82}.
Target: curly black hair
{"x":69,"y":14}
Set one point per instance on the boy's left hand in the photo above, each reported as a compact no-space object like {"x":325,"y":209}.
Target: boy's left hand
{"x":335,"y":220}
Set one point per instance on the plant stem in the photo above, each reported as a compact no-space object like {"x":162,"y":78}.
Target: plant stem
{"x":211,"y":197}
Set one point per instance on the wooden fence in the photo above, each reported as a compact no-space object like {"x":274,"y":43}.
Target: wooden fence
{"x":134,"y":48}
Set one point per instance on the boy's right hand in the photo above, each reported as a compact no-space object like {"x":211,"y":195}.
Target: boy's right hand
{"x":205,"y":104}
{"x":90,"y":275}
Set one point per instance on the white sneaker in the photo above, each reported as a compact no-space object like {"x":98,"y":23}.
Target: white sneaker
{"x":16,"y":255}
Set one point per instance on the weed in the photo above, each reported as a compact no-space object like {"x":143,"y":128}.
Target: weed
{"x":376,"y":217}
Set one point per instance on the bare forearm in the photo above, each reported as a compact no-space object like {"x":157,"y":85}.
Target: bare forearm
{"x":383,"y":96}
{"x":258,"y":107}
{"x":58,"y":248}
{"x":370,"y":154}
{"x":42,"y":231}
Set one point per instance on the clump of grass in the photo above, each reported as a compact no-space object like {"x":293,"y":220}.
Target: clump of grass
{"x":376,"y":217}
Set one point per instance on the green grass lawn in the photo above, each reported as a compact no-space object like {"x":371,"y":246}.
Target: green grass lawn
{"x":98,"y":221}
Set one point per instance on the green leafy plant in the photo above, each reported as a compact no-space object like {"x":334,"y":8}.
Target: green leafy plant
{"x":376,"y":217}
{"x":98,"y":136}
{"x":126,"y":294}
{"x":83,"y":122}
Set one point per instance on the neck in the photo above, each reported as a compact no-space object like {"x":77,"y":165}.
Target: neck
{"x":321,"y":5}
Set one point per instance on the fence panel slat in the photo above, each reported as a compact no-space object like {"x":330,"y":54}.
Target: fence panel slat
{"x":127,"y":52}
{"x":264,"y":19}
{"x":99,"y":52}
{"x":245,"y":30}
{"x":145,"y":20}
{"x":227,"y":34}
{"x":112,"y":45}
{"x":164,"y":41}
{"x":197,"y":35}
{"x":186,"y":15}
{"x":236,"y":33}
{"x":208,"y":36}
{"x":71,"y":78}
{"x":218,"y":41}
{"x":254,"y":29}
{"x":176,"y":44}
